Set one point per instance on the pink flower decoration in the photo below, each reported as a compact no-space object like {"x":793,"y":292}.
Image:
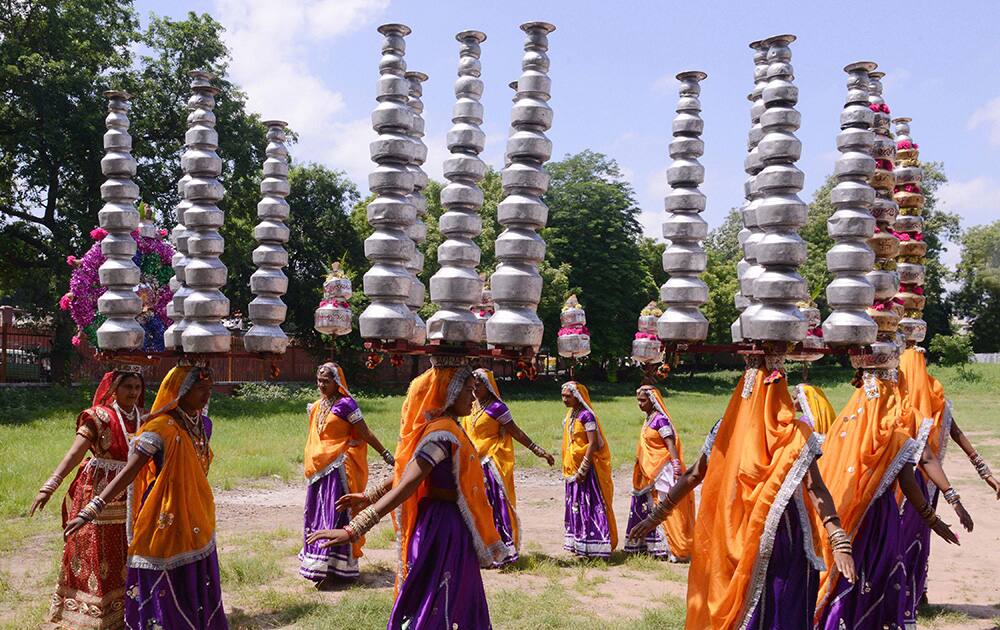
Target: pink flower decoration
{"x":573,"y":330}
{"x":162,"y":232}
{"x":645,"y":335}
{"x":76,"y":340}
{"x":71,"y":261}
{"x":98,"y":234}
{"x":65,"y":301}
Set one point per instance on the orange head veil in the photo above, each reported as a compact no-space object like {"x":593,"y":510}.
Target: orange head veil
{"x":657,"y":398}
{"x":178,"y":381}
{"x":422,"y":418}
{"x":334,"y":371}
{"x":486,"y":377}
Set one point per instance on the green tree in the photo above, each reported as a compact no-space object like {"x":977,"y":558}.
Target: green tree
{"x":978,"y":298}
{"x":724,"y":251}
{"x":590,"y":203}
{"x":56,"y":59}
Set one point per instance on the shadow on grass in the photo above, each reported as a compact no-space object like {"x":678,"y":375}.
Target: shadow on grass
{"x":936,"y":614}
{"x":287,"y":615}
{"x":537,"y":562}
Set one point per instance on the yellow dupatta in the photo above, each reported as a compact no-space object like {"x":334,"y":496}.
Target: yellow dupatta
{"x":651,"y":456}
{"x":868,"y":444}
{"x":172,"y":510}
{"x":758,"y":459}
{"x":927,"y":398}
{"x":815,"y":406}
{"x":495,"y":446}
{"x":574,"y":447}
{"x":422,"y":420}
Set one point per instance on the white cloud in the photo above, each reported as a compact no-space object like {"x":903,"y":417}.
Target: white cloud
{"x":667,"y":84}
{"x":976,"y":200}
{"x":273,"y":46}
{"x":989,"y":116}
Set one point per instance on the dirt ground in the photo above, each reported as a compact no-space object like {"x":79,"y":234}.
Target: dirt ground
{"x":962,"y":579}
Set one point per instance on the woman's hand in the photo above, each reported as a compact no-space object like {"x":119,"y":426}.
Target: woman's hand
{"x":73,"y":526}
{"x":550,"y":459}
{"x":642,"y":529}
{"x":963,"y":516}
{"x":40,"y":500}
{"x":941,"y":529}
{"x":333,"y":537}
{"x":355,"y":502}
{"x":845,"y":564}
{"x":992,"y":482}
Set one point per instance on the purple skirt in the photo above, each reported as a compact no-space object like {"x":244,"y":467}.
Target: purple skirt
{"x":788,"y":601}
{"x":317,"y":563}
{"x":503,"y":514}
{"x":915,"y":537}
{"x":876,"y":599}
{"x":443,"y":588}
{"x":655,"y":543}
{"x":189,"y":596}
{"x":588,"y":533}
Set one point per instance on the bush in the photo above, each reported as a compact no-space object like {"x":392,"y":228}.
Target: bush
{"x":952,"y":349}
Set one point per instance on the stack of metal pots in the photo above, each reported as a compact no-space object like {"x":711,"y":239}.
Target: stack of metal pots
{"x":646,"y":346}
{"x":178,"y":236}
{"x":748,"y":270}
{"x":573,"y":340}
{"x":333,"y":317}
{"x":388,"y":282}
{"x":456,"y":287}
{"x":884,"y":310}
{"x":485,"y":309}
{"x":120,"y":304}
{"x":909,"y":229}
{"x":812,"y":344}
{"x":516,"y":283}
{"x":267,"y":311}
{"x":850,"y":293}
{"x":418,"y":231}
{"x":205,"y":274}
{"x":685,"y":259}
{"x":781,"y":212}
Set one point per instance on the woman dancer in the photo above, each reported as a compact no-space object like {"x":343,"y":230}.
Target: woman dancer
{"x":869,"y":449}
{"x":492,"y":429}
{"x":173,"y":569}
{"x":591,"y":530}
{"x":659,"y":463}
{"x":442,"y":517}
{"x":754,"y":561}
{"x":336,"y":463}
{"x":91,"y":588}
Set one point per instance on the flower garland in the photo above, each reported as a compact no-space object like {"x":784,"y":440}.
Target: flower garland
{"x":153,"y":257}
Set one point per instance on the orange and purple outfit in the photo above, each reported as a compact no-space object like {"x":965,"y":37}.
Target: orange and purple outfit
{"x":655,"y":472}
{"x":173,"y":568}
{"x":335,"y":464}
{"x":445,"y":528}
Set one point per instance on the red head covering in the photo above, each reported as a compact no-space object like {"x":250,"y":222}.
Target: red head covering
{"x":105,"y":392}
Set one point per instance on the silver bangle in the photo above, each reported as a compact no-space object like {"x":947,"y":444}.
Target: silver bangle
{"x":388,"y":458}
{"x":92,"y":510}
{"x":951,"y":496}
{"x":52,"y":484}
{"x":362,"y":523}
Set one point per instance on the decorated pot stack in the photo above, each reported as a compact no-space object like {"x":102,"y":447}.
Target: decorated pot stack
{"x":333,"y":317}
{"x":389,"y":248}
{"x":573,"y":339}
{"x":684,"y":258}
{"x":205,"y":274}
{"x":646,"y":347}
{"x":516,"y":283}
{"x":884,"y":310}
{"x":119,"y":274}
{"x":178,"y":236}
{"x":910,"y":232}
{"x":456,"y":287}
{"x":269,"y":282}
{"x":812,"y":344}
{"x":485,"y":309}
{"x":748,"y":270}
{"x":850,"y":293}
{"x":417,"y":231}
{"x":781,"y":213}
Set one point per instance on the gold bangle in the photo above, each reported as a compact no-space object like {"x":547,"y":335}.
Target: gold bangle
{"x":363,"y":522}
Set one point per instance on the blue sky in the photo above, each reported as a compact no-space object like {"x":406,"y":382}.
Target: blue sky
{"x":314,"y":64}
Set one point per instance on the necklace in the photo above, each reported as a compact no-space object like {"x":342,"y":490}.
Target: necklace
{"x":132,"y":417}
{"x":196,"y":430}
{"x":325,"y":407}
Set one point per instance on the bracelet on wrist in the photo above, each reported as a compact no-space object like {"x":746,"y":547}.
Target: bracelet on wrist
{"x":52,"y":484}
{"x":981,"y":466}
{"x":952,"y":497}
{"x":374,"y":493}
{"x":363,"y":522}
{"x":350,"y":533}
{"x":388,"y":458}
{"x":92,"y":510}
{"x":840,"y":541}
